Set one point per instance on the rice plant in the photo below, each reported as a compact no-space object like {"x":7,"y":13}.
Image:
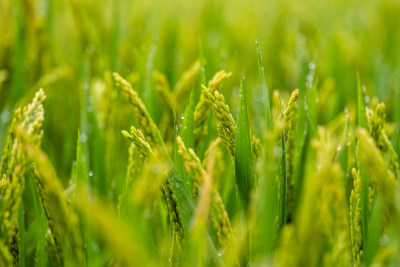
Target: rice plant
{"x":210,"y":133}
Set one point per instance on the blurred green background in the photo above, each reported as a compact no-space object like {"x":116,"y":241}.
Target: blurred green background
{"x":66,"y":46}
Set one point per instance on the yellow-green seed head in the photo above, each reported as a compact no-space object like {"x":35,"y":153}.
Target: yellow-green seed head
{"x":226,"y":125}
{"x":145,"y":121}
{"x":201,"y":111}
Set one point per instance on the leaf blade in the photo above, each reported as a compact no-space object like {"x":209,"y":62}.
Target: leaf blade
{"x":244,"y":171}
{"x":361,"y":115}
{"x":264,"y":91}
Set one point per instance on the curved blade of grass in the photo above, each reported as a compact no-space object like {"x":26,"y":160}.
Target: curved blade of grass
{"x":264,"y":90}
{"x":243,"y":157}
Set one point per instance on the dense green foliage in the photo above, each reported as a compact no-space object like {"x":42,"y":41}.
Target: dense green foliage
{"x":199,"y":133}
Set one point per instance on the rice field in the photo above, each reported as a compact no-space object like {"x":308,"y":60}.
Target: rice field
{"x":207,"y":133}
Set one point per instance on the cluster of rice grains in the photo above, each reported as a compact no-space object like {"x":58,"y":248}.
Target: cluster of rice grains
{"x":26,"y":126}
{"x":314,"y":197}
{"x":23,"y":159}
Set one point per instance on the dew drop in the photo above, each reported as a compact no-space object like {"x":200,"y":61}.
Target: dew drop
{"x":147,"y":214}
{"x":156,"y":169}
{"x":82,"y":138}
{"x":95,"y":247}
{"x":364,"y":89}
{"x":5,"y":116}
{"x":384,"y":240}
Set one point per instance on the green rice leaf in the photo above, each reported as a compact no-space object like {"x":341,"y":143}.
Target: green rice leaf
{"x":183,"y":197}
{"x":364,"y":175}
{"x":364,"y":204}
{"x":22,"y":234}
{"x":311,"y":104}
{"x":81,"y":169}
{"x":342,"y":154}
{"x":187,"y":130}
{"x":267,"y":201}
{"x":361,"y":114}
{"x":243,"y":157}
{"x":283,"y":179}
{"x":264,"y":90}
{"x":301,"y":143}
{"x":362,"y":122}
{"x":187,"y":135}
{"x":375,"y":230}
{"x":180,"y":167}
